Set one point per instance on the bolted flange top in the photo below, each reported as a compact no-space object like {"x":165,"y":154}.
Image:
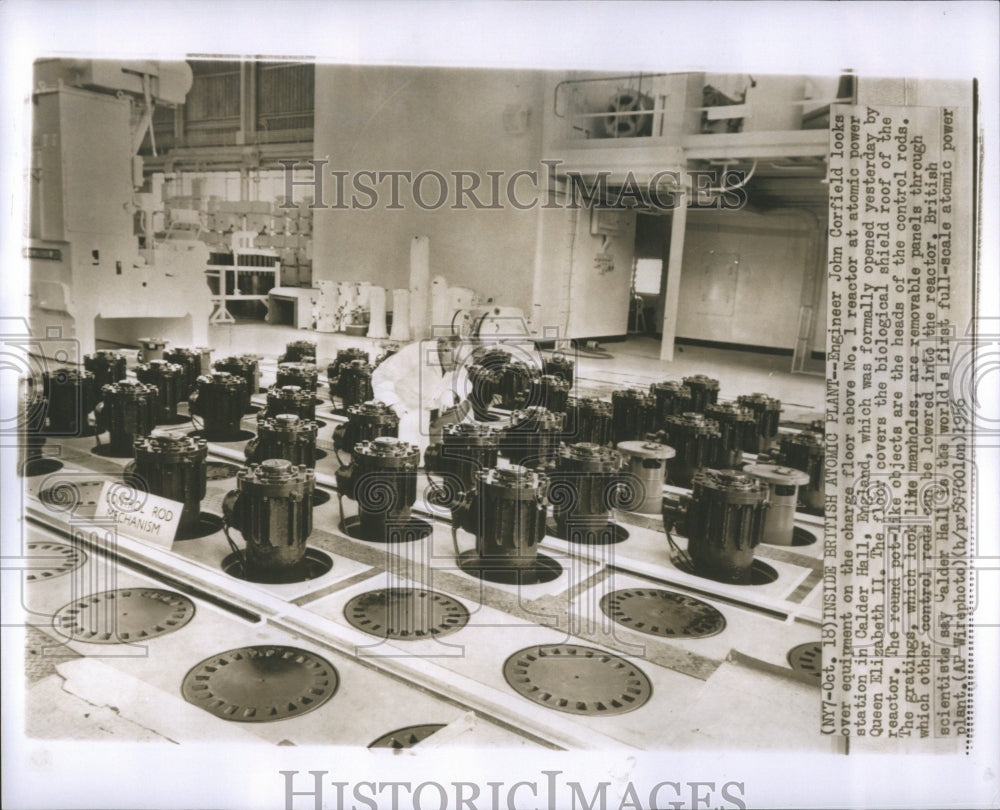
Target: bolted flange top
{"x":130,"y":388}
{"x":702,"y":381}
{"x":670,"y":385}
{"x":631,"y":393}
{"x":536,"y":417}
{"x":275,"y":471}
{"x":777,"y":475}
{"x":807,"y":439}
{"x":161,"y":368}
{"x":736,"y":485}
{"x":584,"y":404}
{"x":588,"y":451}
{"x":371,"y":408}
{"x":759,"y":402}
{"x":161,"y":442}
{"x":68,"y":376}
{"x":729,"y":412}
{"x":291,"y":392}
{"x":468,"y":430}
{"x":641,"y":448}
{"x":554,"y":382}
{"x":514,"y":477}
{"x":223,"y":378}
{"x":243,"y":361}
{"x":105,"y":354}
{"x":386,"y":446}
{"x":693,"y":423}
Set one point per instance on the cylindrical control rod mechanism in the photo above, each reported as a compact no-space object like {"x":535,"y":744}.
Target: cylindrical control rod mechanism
{"x":382,"y":478}
{"x":354,"y":385}
{"x":173,"y":467}
{"x":506,"y":512}
{"x":588,"y":420}
{"x":768,"y":412}
{"x":365,"y":422}
{"x":218,"y":400}
{"x":284,"y":436}
{"x":737,"y":428}
{"x":246,"y":367}
{"x":304,"y":375}
{"x":298,"y":351}
{"x":128,"y":410}
{"x":784,"y":483}
{"x":806,"y":451}
{"x":291,"y":399}
{"x":584,"y":488}
{"x":196,"y":361}
{"x":560,"y":366}
{"x":532,"y":437}
{"x":515,"y":384}
{"x":484,"y":383}
{"x":71,"y":395}
{"x":723,"y":520}
{"x":107,"y":367}
{"x":672,"y":399}
{"x":647,"y":472}
{"x":272,"y":508}
{"x":343,"y":357}
{"x":465,"y":449}
{"x":633,"y":415}
{"x":704,"y":391}
{"x":696,"y":441}
{"x":169,"y":380}
{"x":550,"y":392}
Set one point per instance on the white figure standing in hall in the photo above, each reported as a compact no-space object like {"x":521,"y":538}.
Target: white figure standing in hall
{"x":426,"y":387}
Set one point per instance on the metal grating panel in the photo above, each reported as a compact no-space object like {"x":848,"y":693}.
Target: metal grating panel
{"x":578,"y":680}
{"x":406,"y":613}
{"x":260,"y":684}
{"x":125,"y":615}
{"x":663,"y":613}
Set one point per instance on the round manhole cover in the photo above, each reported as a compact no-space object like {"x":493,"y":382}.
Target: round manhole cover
{"x":807,"y":659}
{"x":59,"y":559}
{"x":406,"y":613}
{"x":578,"y":680}
{"x":129,"y":614}
{"x":261,"y":683}
{"x":663,"y":613}
{"x":406,"y":737}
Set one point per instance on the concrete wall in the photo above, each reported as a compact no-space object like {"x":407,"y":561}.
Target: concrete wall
{"x":419,"y":119}
{"x":743,"y":275}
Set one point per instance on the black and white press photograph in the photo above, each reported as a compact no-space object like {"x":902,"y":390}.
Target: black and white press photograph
{"x":499,"y":405}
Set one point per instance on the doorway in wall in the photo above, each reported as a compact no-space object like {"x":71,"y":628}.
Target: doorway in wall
{"x":652,"y":247}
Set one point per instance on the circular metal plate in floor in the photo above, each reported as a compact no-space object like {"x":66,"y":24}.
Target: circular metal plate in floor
{"x":760,"y":574}
{"x":406,"y":737}
{"x":59,"y":559}
{"x":315,"y":564}
{"x":260,"y":684}
{"x":578,"y":680}
{"x":406,"y":532}
{"x":807,"y":659}
{"x":545,"y":569}
{"x":125,"y":615}
{"x":408,"y":614}
{"x":238,"y":436}
{"x":663,"y":613}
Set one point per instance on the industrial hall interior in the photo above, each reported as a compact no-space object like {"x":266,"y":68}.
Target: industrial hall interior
{"x":407,"y":407}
